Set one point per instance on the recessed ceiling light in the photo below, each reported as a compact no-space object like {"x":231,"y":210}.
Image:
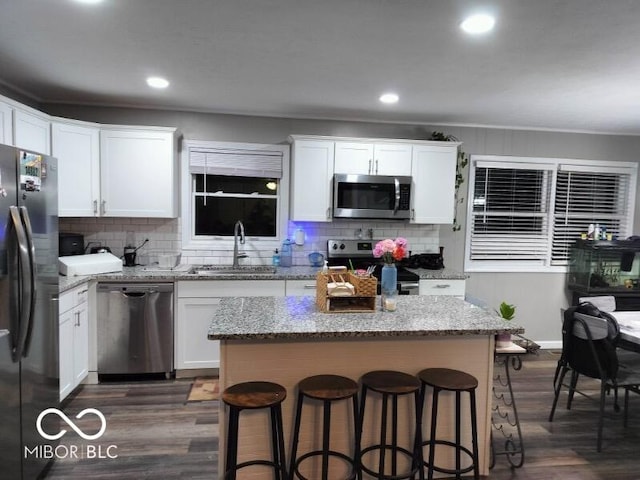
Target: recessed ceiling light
{"x":389,"y":98}
{"x":89,"y":1}
{"x":478,"y":24}
{"x":157,"y":82}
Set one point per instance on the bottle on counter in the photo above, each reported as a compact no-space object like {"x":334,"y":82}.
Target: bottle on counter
{"x":275,"y":259}
{"x":286,"y":254}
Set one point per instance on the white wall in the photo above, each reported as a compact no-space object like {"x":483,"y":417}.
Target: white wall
{"x":538,"y":297}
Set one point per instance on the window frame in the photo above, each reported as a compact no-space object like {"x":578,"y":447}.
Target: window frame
{"x":554,"y":165}
{"x":223,"y":243}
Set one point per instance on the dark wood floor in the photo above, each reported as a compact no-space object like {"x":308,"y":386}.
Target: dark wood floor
{"x":159,"y":435}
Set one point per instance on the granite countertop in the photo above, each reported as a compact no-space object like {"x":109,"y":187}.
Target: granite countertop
{"x":264,"y":318}
{"x":145,"y":274}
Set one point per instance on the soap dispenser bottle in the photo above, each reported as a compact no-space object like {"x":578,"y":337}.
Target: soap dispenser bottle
{"x":286,"y":254}
{"x":275,"y":259}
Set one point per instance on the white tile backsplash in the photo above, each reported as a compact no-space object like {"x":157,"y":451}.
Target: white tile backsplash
{"x":165,"y":236}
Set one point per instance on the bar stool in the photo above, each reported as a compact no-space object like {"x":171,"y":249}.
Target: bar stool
{"x":391,"y":384}
{"x":446,"y":379}
{"x":328,"y":389}
{"x":252,"y":396}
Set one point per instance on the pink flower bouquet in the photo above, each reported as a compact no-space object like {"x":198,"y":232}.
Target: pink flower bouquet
{"x":390,"y":250}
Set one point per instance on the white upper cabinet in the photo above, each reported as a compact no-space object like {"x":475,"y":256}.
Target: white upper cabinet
{"x":32,"y":131}
{"x":434,"y":176}
{"x":6,"y":124}
{"x":77,"y":148}
{"x":138,"y":172}
{"x":373,"y":158}
{"x":311,"y":179}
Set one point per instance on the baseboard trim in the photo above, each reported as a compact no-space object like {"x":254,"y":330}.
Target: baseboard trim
{"x":198,"y":372}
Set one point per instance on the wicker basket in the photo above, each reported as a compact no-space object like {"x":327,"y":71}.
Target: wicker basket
{"x":363,"y":299}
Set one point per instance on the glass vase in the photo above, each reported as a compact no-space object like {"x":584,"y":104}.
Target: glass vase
{"x":389,"y":279}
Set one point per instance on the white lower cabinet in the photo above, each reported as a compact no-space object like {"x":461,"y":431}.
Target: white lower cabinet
{"x":74,"y":339}
{"x":443,"y":287}
{"x":196,"y":304}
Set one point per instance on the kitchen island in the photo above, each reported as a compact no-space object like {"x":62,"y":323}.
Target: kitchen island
{"x":284,"y":339}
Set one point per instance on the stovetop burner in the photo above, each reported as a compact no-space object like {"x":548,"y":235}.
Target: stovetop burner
{"x":359,"y":254}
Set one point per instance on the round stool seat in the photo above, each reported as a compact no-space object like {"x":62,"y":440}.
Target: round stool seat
{"x":448,"y":379}
{"x":328,"y":387}
{"x":390,"y":381}
{"x":254,"y":395}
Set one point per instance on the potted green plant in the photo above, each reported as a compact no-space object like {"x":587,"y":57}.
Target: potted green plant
{"x":507,"y":312}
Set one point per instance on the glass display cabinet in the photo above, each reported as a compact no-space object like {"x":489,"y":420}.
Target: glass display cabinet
{"x":606,"y":268}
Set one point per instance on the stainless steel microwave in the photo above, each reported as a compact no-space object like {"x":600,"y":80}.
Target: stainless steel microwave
{"x":371,"y":196}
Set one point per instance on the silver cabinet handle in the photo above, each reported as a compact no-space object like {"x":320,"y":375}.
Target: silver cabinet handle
{"x":376,"y":166}
{"x":443,"y":285}
{"x":310,"y":286}
{"x":77,"y":314}
{"x":370,"y":162}
{"x":95,"y":207}
{"x":103,"y":207}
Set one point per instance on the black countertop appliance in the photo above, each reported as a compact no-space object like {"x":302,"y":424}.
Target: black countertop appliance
{"x":70,"y":244}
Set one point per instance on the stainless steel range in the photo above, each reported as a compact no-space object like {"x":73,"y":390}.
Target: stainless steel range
{"x":360,"y":253}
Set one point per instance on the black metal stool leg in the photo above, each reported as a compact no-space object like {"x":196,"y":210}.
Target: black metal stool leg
{"x":356,"y":447}
{"x":232,"y":443}
{"x":474,"y":435}
{"x":458,"y":435}
{"x":432,"y":439}
{"x":296,"y":434}
{"x":383,"y":438}
{"x":325,"y":439}
{"x":280,"y":430}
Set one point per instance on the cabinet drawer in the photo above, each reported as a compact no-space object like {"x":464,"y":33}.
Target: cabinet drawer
{"x":299,"y":288}
{"x":442,"y":287}
{"x":73,"y":297}
{"x":230,"y":288}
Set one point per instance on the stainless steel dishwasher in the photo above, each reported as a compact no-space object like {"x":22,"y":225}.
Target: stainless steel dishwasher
{"x":135,"y":328}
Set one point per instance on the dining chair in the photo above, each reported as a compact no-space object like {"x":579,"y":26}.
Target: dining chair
{"x":589,"y":349}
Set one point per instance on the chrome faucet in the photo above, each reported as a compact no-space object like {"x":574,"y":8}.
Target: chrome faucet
{"x":238,"y":231}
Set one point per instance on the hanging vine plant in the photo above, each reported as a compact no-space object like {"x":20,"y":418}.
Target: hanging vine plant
{"x":461,"y":163}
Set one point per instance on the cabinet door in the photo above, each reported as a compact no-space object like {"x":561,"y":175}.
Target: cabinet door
{"x":354,"y":157}
{"x":77,"y":149}
{"x":6,"y":124}
{"x":66,"y":353}
{"x":80,"y":343}
{"x":392,"y":159}
{"x":32,"y":132}
{"x":137,"y":173}
{"x":434,"y":176}
{"x":192,"y":348}
{"x":311,"y":180}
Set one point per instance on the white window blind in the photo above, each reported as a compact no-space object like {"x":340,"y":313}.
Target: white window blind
{"x":524,"y":214}
{"x":585,"y":196}
{"x":510,"y":212}
{"x":236,"y":162}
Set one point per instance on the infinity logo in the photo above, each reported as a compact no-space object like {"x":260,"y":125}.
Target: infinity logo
{"x":68,"y":421}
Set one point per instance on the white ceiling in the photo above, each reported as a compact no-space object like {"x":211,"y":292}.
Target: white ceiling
{"x":549,"y":64}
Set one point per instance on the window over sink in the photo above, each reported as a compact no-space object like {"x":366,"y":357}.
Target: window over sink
{"x":226,"y":182}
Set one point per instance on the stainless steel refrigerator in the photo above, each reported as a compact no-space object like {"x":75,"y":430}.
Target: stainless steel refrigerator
{"x":28,"y":309}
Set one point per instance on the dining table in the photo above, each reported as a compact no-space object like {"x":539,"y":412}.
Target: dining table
{"x":629,"y":323}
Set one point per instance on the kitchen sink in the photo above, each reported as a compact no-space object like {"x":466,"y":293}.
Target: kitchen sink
{"x":217,"y":270}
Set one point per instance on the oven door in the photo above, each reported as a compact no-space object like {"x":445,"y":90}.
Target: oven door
{"x":371,"y":196}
